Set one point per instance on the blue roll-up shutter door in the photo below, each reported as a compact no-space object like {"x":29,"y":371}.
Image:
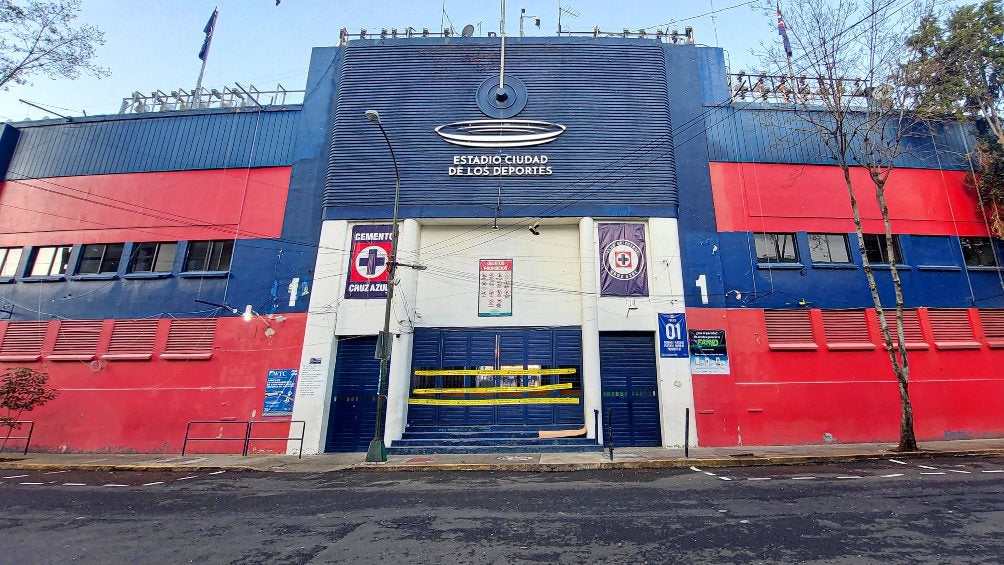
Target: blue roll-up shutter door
{"x":352,"y":419}
{"x":630,"y":389}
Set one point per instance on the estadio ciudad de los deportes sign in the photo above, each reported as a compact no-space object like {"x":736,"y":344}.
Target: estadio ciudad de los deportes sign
{"x":499,"y":166}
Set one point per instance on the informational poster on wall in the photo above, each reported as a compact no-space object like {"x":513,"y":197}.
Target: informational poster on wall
{"x":623,"y":269}
{"x":673,"y":336}
{"x":311,"y":377}
{"x":280,"y":388}
{"x":495,"y":287}
{"x":708,"y":354}
{"x":369,"y":261}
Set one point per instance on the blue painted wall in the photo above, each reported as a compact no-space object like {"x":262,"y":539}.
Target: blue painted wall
{"x":613,"y":160}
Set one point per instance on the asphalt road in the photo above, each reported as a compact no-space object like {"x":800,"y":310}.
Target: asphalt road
{"x":887,"y":511}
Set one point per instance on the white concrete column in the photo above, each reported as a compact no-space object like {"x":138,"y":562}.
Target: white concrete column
{"x":676,"y":387}
{"x":591,"y":390}
{"x":317,"y":361}
{"x":402,"y":324}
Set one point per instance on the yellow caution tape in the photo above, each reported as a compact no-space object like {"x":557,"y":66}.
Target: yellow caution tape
{"x":493,"y":401}
{"x":466,"y":372}
{"x":492,"y":389}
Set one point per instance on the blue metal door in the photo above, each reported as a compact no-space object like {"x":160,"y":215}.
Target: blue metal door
{"x":630,"y":390}
{"x":352,"y":419}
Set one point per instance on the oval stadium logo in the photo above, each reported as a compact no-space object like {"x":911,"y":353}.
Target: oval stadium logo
{"x":622,"y":259}
{"x":500,"y":133}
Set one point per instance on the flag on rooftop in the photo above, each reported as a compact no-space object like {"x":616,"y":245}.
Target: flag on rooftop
{"x":210,"y":26}
{"x":782,"y":30}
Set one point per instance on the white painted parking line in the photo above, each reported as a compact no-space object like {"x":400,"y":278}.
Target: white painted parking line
{"x":802,"y":478}
{"x":153,"y":483}
{"x":708,"y":473}
{"x":16,"y":477}
{"x":758,"y":478}
{"x":926,"y":467}
{"x":892,"y":475}
{"x":959,"y":471}
{"x":692,"y":468}
{"x":53,"y":472}
{"x":996,"y":471}
{"x":848,"y":477}
{"x":218,"y":472}
{"x":897,"y":461}
{"x":32,"y":483}
{"x":932,"y":472}
{"x":114,"y":485}
{"x":725,"y":478}
{"x":74,"y":484}
{"x":186,"y":478}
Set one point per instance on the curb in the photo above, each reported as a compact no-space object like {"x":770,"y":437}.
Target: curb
{"x":710,"y":462}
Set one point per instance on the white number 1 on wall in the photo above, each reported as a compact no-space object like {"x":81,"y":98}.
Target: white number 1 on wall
{"x":702,"y":283}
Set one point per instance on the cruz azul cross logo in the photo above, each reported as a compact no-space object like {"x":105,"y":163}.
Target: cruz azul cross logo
{"x":622,"y":259}
{"x":369,"y":262}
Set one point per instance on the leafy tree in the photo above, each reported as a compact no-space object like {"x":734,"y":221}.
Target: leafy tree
{"x":40,"y":38}
{"x":22,"y":389}
{"x":835,"y":42}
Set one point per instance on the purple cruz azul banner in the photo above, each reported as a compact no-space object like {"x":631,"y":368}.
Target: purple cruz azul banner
{"x":622,"y":260}
{"x":369,"y":262}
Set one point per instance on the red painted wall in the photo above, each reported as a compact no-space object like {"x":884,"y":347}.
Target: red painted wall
{"x":785,"y":198}
{"x":795,"y":397}
{"x":143,"y":406}
{"x":144,"y":207}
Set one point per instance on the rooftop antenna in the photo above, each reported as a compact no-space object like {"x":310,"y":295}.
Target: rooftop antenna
{"x":523,"y":16}
{"x":468,"y":31}
{"x":565,"y":10}
{"x":714,"y":24}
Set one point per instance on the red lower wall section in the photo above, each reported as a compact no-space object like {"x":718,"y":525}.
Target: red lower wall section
{"x":144,"y":406}
{"x":804,"y":397}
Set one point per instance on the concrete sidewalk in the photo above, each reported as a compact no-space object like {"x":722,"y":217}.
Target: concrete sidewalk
{"x":624,"y":458}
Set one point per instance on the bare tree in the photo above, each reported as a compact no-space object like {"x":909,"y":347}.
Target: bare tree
{"x":40,"y":38}
{"x":854,"y":101}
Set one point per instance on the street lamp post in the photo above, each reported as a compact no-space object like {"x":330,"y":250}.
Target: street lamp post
{"x":377,"y":452}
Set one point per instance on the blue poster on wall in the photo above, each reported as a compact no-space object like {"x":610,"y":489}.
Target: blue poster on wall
{"x":280,"y":386}
{"x":673,"y":336}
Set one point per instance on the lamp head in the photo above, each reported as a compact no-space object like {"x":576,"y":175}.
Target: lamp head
{"x":373,"y":116}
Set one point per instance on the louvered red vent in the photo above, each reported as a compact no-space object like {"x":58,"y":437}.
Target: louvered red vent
{"x":951,"y":325}
{"x":788,"y":326}
{"x":846,"y":326}
{"x":191,"y":336}
{"x":993,"y":323}
{"x":133,"y":336}
{"x":911,"y":325}
{"x":77,"y":337}
{"x":23,"y":338}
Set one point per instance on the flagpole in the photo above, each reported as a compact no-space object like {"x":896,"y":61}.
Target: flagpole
{"x":196,"y":97}
{"x":209,"y":30}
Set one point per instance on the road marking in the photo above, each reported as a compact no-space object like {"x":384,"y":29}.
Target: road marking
{"x":114,"y":485}
{"x":53,"y":472}
{"x":708,"y":473}
{"x":74,"y":484}
{"x":997,"y":471}
{"x":802,"y":478}
{"x":217,"y":472}
{"x":758,"y":478}
{"x":926,"y":467}
{"x":897,"y":461}
{"x":892,"y":475}
{"x":959,"y":471}
{"x":932,"y":473}
{"x":186,"y":478}
{"x":154,"y":483}
{"x":16,"y":477}
{"x":725,"y":478}
{"x":32,"y":483}
{"x":692,"y":468}
{"x":849,"y":477}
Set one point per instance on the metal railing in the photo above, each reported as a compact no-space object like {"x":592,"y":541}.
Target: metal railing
{"x":782,"y":89}
{"x":237,"y":98}
{"x":248,"y":437}
{"x":27,"y":438}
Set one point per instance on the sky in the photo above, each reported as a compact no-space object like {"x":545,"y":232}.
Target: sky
{"x":154,"y":44}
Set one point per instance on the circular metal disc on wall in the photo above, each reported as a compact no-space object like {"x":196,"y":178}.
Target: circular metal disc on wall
{"x":511,"y":101}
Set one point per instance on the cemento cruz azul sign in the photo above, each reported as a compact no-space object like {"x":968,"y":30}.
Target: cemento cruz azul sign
{"x":500,"y":166}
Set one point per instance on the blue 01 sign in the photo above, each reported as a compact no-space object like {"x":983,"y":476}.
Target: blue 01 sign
{"x":673,"y":336}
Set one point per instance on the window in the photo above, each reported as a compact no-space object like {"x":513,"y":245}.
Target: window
{"x":209,"y":255}
{"x":776,"y":248}
{"x":9,"y":258}
{"x":978,"y":251}
{"x":50,"y":261}
{"x":875,"y":248}
{"x":153,"y":257}
{"x":829,"y":248}
{"x":99,"y":258}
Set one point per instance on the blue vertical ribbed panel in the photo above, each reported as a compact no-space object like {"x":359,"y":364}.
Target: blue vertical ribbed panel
{"x":615,"y":158}
{"x":155,"y":142}
{"x":745,"y":134}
